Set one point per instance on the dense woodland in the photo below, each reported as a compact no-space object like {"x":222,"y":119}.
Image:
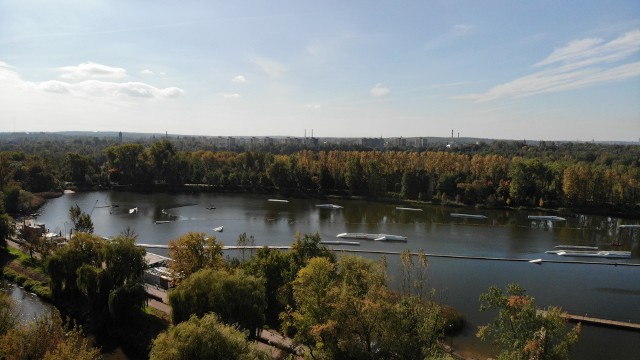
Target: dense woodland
{"x":496,"y":174}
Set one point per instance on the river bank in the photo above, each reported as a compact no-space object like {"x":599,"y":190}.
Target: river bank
{"x":39,"y":199}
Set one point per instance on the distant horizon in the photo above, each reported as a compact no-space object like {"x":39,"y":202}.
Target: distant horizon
{"x":160,"y":135}
{"x":506,"y":70}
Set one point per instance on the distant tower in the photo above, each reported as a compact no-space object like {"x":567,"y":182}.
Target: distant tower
{"x":451,"y":134}
{"x":120,"y":136}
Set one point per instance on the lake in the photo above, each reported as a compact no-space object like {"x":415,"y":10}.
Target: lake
{"x":606,"y":291}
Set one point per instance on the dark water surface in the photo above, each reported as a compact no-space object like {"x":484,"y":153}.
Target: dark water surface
{"x":28,"y":304}
{"x":611,"y":292}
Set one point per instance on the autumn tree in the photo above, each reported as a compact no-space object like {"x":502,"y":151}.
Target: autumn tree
{"x":520,"y":331}
{"x":346,"y":310}
{"x":46,"y":337}
{"x":194,"y":251}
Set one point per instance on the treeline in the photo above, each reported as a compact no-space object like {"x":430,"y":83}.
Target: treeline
{"x":552,"y":176}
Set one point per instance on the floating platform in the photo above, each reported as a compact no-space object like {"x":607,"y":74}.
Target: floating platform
{"x":576,"y":247}
{"x":596,"y":254}
{"x":376,"y":237}
{"x":329,"y":206}
{"x":469,"y":216}
{"x":359,"y":236}
{"x":386,"y":237}
{"x":278,"y":200}
{"x":546,"y":218}
{"x":408,"y":209}
{"x":162,"y":222}
{"x":629,"y":226}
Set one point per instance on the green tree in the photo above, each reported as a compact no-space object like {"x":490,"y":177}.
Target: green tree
{"x":78,"y":168}
{"x":353,"y":176}
{"x":127,"y":164}
{"x":162,"y":155}
{"x":236,"y":297}
{"x":81,"y":221}
{"x":7,"y":229}
{"x":12,"y":198}
{"x":272,"y":265}
{"x":204,"y":338}
{"x":520,"y":331}
{"x":33,"y":242}
{"x":107,"y":274}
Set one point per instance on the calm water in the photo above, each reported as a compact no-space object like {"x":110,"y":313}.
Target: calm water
{"x":607,"y":291}
{"x":29,"y":305}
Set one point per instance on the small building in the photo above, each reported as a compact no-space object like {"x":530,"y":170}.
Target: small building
{"x":157,"y":272}
{"x":159,"y":276}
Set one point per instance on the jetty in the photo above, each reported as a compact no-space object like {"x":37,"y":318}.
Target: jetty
{"x":586,"y":319}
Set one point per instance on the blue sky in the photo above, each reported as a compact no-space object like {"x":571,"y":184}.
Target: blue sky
{"x":535,"y":70}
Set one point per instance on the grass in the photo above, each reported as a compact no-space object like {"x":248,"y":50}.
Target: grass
{"x":18,"y":267}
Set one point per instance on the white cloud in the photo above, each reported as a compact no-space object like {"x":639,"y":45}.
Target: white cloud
{"x":379,"y":89}
{"x":89,"y":70}
{"x":97,"y":88}
{"x":272,"y":68}
{"x":87,"y":88}
{"x":461,"y":30}
{"x":146,"y":72}
{"x":572,"y":67}
{"x":231,"y":96}
{"x":239,"y":79}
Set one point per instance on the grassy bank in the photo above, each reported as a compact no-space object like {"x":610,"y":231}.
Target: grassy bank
{"x":18,"y":267}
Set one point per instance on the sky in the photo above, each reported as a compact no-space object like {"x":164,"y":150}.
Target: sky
{"x":497,"y":69}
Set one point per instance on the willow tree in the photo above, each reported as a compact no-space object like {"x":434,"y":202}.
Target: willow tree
{"x":236,"y":297}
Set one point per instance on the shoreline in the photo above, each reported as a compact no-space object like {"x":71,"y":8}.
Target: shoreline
{"x":204,"y":188}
